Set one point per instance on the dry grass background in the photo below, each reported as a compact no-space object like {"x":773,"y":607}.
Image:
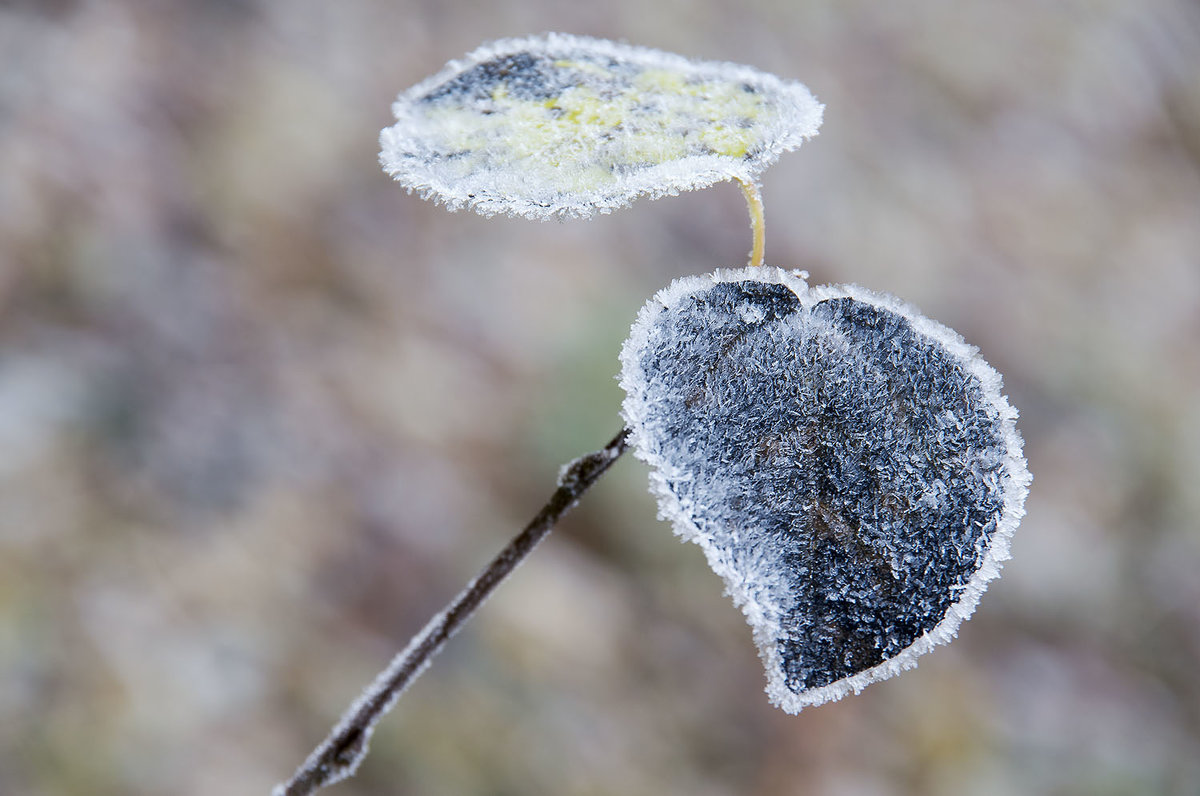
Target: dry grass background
{"x":261,"y":412}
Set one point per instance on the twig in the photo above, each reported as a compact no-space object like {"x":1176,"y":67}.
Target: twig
{"x":340,"y":754}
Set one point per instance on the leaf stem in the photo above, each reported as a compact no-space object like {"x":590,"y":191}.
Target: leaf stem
{"x":757,"y":222}
{"x":340,"y":754}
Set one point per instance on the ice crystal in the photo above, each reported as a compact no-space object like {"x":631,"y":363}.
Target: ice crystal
{"x":560,"y":125}
{"x":850,"y":467}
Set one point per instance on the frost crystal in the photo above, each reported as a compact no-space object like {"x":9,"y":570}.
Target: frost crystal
{"x":850,"y":468}
{"x":560,"y":125}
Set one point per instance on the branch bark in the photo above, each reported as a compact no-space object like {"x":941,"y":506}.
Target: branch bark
{"x":340,"y":754}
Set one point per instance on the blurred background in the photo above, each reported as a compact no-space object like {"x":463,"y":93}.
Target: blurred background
{"x":262,"y":413}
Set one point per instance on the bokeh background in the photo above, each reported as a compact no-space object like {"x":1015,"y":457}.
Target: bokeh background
{"x":262,"y":412}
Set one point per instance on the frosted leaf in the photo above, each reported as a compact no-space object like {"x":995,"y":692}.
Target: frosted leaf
{"x":850,"y":468}
{"x":559,"y":125}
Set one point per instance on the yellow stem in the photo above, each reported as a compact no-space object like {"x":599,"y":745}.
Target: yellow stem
{"x":754,"y":203}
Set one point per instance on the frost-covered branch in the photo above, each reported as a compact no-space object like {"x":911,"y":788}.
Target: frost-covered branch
{"x":340,"y":754}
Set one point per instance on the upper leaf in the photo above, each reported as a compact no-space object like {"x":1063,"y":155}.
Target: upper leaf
{"x":559,"y":125}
